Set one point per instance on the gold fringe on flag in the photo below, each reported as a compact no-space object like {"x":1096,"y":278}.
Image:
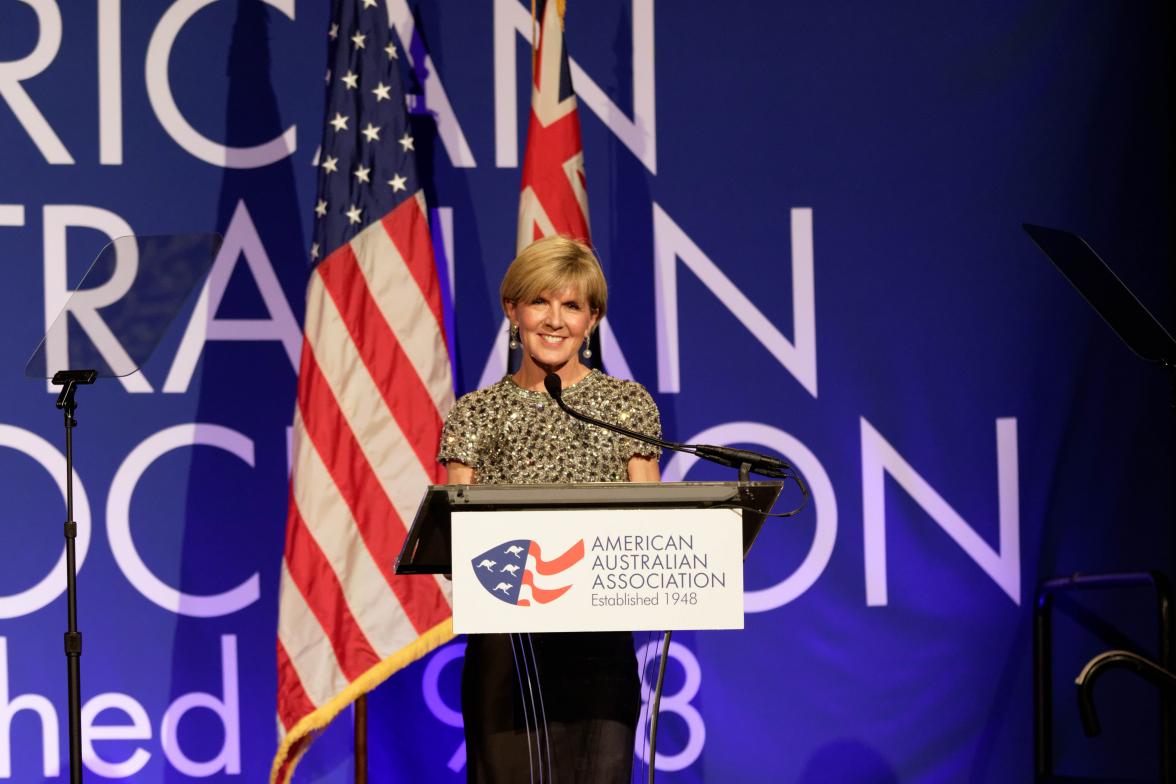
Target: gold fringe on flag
{"x":294,"y":745}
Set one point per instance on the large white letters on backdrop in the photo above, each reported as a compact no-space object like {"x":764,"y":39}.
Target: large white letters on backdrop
{"x":241,"y":239}
{"x":169,"y":114}
{"x":118,"y":521}
{"x":13,"y":72}
{"x":879,"y":458}
{"x":226,"y":708}
{"x":53,"y":584}
{"x":798,"y":357}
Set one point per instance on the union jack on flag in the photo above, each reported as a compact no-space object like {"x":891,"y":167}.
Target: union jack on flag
{"x":373,"y":388}
{"x":554,"y":195}
{"x":554,"y":198}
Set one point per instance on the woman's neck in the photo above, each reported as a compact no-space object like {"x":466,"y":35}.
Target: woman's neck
{"x":531,"y":374}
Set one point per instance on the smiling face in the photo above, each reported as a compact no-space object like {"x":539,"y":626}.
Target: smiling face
{"x":552,"y":328}
{"x":554,"y":292}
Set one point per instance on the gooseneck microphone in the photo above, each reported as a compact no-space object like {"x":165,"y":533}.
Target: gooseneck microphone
{"x":743,"y":459}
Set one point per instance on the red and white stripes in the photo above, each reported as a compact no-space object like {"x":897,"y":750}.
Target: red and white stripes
{"x":374,"y":386}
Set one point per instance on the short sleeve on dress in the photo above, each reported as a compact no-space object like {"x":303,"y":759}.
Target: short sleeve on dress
{"x":637,"y":411}
{"x":459,"y":436}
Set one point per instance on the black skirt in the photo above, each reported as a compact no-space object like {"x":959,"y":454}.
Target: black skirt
{"x":553,"y":708}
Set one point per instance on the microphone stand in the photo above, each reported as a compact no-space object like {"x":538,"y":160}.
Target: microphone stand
{"x":69,"y":380}
{"x":745,"y":460}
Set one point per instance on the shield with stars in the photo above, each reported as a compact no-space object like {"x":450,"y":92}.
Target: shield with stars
{"x":505,"y":569}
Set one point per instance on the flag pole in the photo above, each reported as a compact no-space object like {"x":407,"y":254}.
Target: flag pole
{"x":360,"y":729}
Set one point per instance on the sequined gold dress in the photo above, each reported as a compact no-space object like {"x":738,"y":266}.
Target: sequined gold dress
{"x":578,"y":693}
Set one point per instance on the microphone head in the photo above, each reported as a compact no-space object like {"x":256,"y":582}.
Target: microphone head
{"x":553,"y":385}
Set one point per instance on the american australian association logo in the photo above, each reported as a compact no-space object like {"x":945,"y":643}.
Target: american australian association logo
{"x":515,"y":572}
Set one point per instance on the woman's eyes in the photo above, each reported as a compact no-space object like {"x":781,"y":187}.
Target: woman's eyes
{"x":569,"y":305}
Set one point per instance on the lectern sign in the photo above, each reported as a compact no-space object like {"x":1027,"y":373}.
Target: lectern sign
{"x":597,"y":570}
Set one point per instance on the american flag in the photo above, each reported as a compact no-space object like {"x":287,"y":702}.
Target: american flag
{"x":373,"y":388}
{"x":554,"y":198}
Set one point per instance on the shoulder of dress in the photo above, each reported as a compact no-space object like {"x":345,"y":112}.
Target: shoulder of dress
{"x":623,"y":385}
{"x":481,"y":395}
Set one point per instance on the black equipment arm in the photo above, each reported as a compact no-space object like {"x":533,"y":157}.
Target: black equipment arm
{"x":757,"y":463}
{"x":1115,"y":660}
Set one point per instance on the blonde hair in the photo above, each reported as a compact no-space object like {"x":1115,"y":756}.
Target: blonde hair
{"x":553,"y":264}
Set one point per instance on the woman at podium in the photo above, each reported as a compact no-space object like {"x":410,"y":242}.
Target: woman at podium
{"x":566,"y":704}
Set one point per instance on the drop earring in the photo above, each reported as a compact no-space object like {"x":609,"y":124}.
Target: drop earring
{"x":514,"y":336}
{"x":587,"y":352}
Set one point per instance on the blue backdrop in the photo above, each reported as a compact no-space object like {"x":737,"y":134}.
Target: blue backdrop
{"x":809,"y":216}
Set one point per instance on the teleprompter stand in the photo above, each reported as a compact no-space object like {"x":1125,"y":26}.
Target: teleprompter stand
{"x":1104,"y":291}
{"x":109,"y":327}
{"x":1109,"y":296}
{"x":427,"y":548}
{"x":69,"y":380}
